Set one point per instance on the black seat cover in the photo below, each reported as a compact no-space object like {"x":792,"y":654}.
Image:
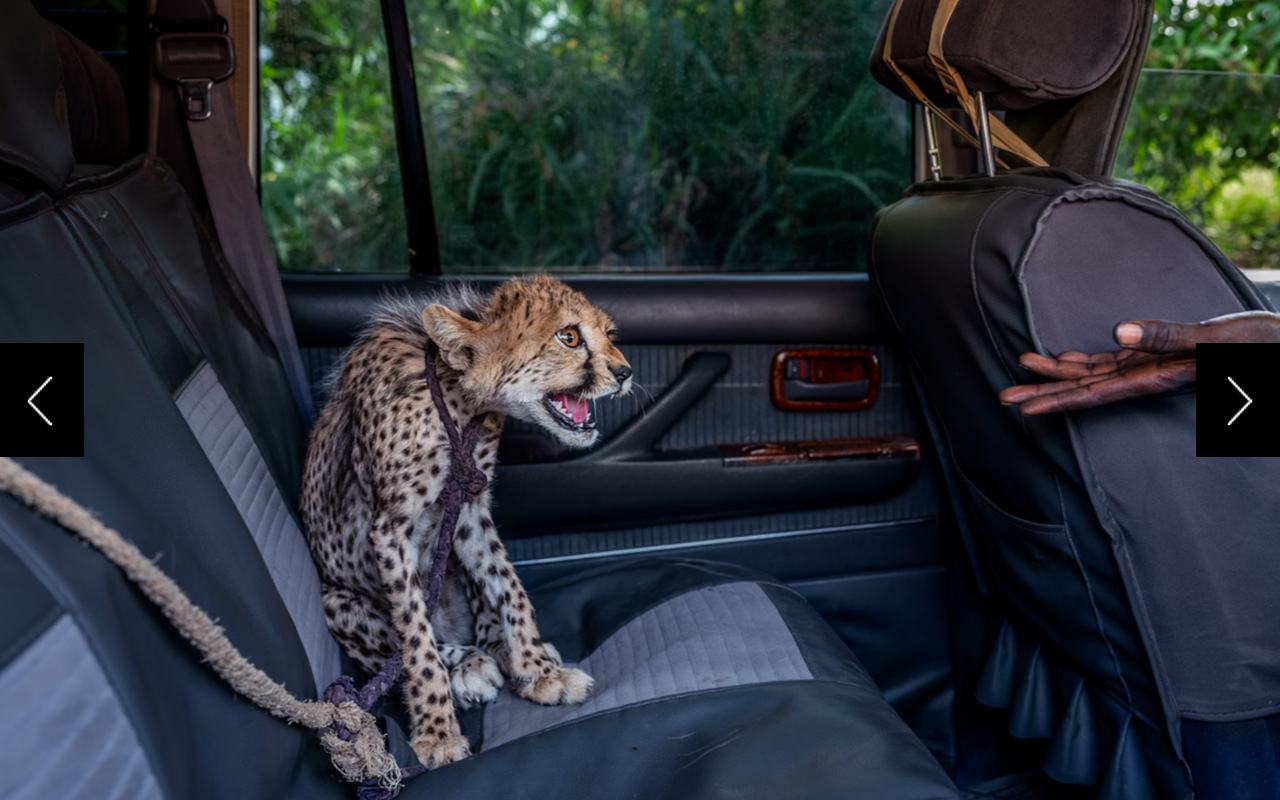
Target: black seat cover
{"x":1132,"y":584}
{"x":713,"y":681}
{"x":1137,"y":578}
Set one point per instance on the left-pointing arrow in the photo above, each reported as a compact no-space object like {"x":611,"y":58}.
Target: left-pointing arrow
{"x":32,"y":398}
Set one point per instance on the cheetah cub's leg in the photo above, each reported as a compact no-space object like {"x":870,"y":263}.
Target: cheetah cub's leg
{"x":505,"y":625}
{"x":473,"y":674}
{"x":488,"y":627}
{"x":363,"y":629}
{"x":434,"y":732}
{"x":367,"y":636}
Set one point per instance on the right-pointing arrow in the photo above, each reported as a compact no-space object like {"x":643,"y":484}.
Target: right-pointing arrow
{"x":1248,"y":401}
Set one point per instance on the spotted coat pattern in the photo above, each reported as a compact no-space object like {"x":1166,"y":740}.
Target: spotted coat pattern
{"x":375,"y":468}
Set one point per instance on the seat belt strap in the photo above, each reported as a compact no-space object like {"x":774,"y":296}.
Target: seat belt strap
{"x":199,"y":64}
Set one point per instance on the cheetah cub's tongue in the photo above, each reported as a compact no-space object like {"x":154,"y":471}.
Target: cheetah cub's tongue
{"x":573,"y":407}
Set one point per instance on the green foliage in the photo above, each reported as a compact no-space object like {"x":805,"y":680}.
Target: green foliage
{"x":1244,"y":219}
{"x":1204,"y":129}
{"x":636,"y":133}
{"x":624,"y":134}
{"x":331,"y":191}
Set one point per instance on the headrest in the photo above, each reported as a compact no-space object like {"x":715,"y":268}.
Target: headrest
{"x":97,"y":110}
{"x":1019,"y":53}
{"x":35,"y":145}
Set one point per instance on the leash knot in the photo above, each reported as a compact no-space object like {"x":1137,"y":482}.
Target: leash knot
{"x":354,"y":743}
{"x":465,"y":487}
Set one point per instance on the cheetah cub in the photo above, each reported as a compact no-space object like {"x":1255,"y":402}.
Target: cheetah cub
{"x":376,"y":465}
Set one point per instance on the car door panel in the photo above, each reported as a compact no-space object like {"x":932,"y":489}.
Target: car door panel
{"x":700,"y":437}
{"x":664,"y":475}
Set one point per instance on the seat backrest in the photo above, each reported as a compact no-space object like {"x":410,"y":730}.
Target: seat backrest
{"x":1132,"y":576}
{"x":192,"y":450}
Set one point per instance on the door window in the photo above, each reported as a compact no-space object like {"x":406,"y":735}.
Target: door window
{"x":1204,"y":128}
{"x":592,"y":135}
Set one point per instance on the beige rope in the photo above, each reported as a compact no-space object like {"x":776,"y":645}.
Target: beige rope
{"x":364,"y":756}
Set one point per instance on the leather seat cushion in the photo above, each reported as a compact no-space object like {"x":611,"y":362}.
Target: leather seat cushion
{"x":711,"y":681}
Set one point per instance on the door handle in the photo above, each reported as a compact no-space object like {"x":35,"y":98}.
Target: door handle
{"x":802,"y":391}
{"x":825,"y":380}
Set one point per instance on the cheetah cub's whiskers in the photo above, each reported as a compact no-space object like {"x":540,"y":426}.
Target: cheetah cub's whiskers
{"x":377,"y":461}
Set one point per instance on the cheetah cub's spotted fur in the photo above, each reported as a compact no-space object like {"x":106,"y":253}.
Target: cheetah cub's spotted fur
{"x":535,"y":350}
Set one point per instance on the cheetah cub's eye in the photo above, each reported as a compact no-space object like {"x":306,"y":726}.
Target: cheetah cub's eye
{"x":569,"y":337}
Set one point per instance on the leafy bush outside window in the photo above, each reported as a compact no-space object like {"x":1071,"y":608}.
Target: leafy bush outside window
{"x":1204,"y":128}
{"x":619,"y":135}
{"x":330,"y":177}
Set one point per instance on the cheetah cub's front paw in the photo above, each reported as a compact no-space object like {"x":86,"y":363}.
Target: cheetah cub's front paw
{"x":559,"y":686}
{"x":476,"y":680}
{"x":435,"y":753}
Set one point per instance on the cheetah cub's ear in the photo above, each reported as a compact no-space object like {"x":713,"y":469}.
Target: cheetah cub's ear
{"x":455,"y":335}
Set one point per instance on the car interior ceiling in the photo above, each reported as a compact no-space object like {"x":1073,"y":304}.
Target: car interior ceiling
{"x":918,"y":594}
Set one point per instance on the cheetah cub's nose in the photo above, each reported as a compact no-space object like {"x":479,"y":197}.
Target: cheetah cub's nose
{"x":621,"y":374}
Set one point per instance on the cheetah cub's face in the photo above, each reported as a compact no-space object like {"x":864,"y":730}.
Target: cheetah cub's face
{"x":537,"y":351}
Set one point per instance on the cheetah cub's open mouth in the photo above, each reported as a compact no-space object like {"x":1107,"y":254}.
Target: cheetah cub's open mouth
{"x":573,"y":413}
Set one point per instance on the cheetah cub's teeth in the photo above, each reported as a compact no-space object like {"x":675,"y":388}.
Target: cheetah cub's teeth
{"x":572,"y":412}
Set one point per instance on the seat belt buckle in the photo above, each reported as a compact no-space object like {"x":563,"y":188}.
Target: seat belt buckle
{"x":195,"y":62}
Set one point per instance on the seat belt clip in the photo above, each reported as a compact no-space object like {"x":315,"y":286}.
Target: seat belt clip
{"x":196,"y":100}
{"x":195,"y":62}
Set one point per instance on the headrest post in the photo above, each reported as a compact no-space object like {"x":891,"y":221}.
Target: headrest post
{"x":984,"y":136}
{"x":931,"y":140}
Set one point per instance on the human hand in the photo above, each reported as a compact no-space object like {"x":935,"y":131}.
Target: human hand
{"x":1157,"y":356}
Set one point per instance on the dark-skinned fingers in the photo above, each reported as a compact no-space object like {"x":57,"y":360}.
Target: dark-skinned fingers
{"x":1095,"y":358}
{"x":1064,"y":369}
{"x":1098,"y":393}
{"x":1150,"y":378}
{"x":1160,"y":336}
{"x":1015,"y":395}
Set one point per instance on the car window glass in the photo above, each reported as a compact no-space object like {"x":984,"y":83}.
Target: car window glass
{"x":1204,"y":127}
{"x":622,"y":135}
{"x":329,"y":176}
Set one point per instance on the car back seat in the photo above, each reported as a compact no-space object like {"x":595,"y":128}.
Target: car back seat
{"x":712,"y":680}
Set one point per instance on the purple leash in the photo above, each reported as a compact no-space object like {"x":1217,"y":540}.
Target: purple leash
{"x":463,"y":479}
{"x":463,"y":482}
